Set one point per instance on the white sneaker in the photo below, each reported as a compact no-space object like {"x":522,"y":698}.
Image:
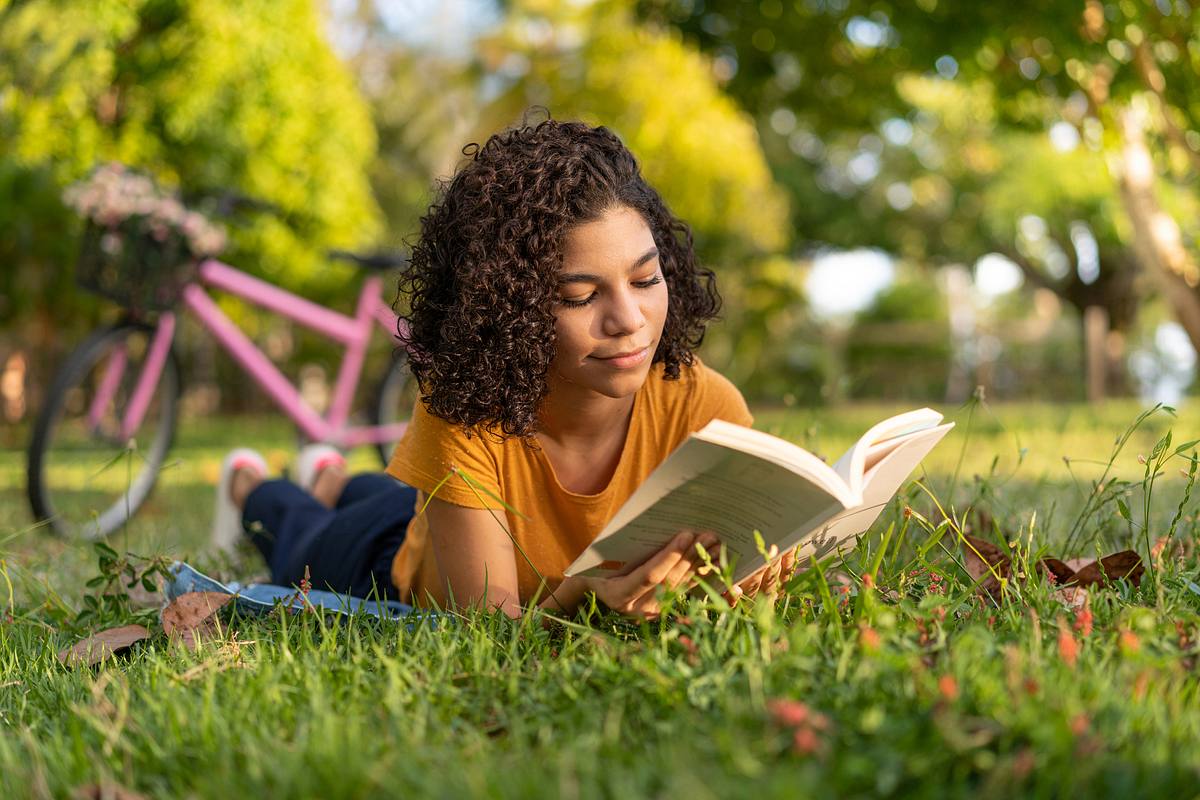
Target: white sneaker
{"x":227,"y":518}
{"x":314,"y":458}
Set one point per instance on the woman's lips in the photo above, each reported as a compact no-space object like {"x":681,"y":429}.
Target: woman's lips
{"x":625,"y":361}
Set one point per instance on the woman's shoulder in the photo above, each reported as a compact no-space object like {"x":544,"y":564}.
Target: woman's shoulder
{"x":433,"y":448}
{"x":700,"y":394}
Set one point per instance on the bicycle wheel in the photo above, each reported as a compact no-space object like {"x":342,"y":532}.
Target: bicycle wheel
{"x":85,"y":477}
{"x":394,"y":400}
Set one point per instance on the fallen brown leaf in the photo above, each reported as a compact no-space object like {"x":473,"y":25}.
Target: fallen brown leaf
{"x":190,"y":610}
{"x":985,"y":563}
{"x":102,"y":644}
{"x":1060,"y":570}
{"x":1126,"y":564}
{"x":206,"y":631}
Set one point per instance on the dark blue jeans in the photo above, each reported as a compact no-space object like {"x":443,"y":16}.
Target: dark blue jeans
{"x":348,"y":548}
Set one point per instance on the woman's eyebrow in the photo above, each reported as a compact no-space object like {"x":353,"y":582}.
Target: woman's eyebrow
{"x":587,"y":277}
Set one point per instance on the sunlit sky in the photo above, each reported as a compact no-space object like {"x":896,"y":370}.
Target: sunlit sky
{"x":844,"y":282}
{"x":449,"y":25}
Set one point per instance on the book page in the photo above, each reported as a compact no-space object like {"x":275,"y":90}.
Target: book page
{"x":780,"y":451}
{"x":704,"y":486}
{"x":880,"y":441}
{"x":881,"y":482}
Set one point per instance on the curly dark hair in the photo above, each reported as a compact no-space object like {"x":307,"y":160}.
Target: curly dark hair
{"x":482,"y":283}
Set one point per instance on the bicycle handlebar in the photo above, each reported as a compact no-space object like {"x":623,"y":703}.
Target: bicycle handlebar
{"x":379,"y":260}
{"x":229,"y":201}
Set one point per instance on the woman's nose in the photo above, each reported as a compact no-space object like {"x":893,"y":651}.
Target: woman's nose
{"x":624,"y":315}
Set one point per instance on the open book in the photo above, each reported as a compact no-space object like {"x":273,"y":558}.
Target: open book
{"x":733,"y":480}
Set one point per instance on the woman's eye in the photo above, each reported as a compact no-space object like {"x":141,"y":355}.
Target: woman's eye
{"x":577,"y":302}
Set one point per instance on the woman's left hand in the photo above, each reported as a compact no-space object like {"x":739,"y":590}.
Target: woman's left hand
{"x":766,"y":579}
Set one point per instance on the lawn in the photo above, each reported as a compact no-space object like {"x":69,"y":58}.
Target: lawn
{"x":907,"y":682}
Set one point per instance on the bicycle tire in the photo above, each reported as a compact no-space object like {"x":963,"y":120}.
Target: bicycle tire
{"x":70,"y":377}
{"x":393,"y":400}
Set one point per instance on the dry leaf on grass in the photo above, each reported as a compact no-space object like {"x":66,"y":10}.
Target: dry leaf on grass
{"x":987,"y":564}
{"x":1126,"y":564}
{"x":191,"y":610}
{"x":102,"y":644}
{"x":1061,"y":571}
{"x":206,"y":631}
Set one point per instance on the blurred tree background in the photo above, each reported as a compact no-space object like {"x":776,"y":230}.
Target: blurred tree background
{"x":902,"y":201}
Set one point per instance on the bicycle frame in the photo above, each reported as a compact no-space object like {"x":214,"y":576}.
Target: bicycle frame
{"x":354,"y":333}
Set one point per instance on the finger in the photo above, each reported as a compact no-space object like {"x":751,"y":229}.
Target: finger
{"x":680,"y":542}
{"x":679,"y":573}
{"x":646,"y":608}
{"x":659,"y":565}
{"x":752,"y":581}
{"x":733,"y":595}
{"x":788,"y":564}
{"x":770,"y":580}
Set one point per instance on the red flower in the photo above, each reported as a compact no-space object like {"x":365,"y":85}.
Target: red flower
{"x":1083,"y":622}
{"x":805,"y":741}
{"x":789,"y":713}
{"x":1068,"y":648}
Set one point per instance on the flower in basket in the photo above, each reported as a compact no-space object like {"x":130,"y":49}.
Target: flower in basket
{"x":127,"y":205}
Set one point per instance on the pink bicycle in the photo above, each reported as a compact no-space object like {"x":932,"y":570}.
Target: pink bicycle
{"x":106,"y":427}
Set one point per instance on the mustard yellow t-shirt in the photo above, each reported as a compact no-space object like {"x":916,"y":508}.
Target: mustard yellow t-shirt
{"x":558,"y":524}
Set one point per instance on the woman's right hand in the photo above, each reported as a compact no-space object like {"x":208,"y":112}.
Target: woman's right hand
{"x":634,"y":592}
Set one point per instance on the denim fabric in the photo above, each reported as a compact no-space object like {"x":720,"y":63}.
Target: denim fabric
{"x":347,"y":549}
{"x":260,"y":598}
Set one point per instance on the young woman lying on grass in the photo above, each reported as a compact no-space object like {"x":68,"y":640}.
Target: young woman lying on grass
{"x":555,"y":306}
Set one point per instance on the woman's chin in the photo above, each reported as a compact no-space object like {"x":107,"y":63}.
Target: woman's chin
{"x":622,"y":384}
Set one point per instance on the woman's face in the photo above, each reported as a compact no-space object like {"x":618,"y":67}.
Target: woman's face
{"x":612,"y":305}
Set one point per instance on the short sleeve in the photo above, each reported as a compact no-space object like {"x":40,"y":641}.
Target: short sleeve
{"x":717,"y":398}
{"x":438,"y":458}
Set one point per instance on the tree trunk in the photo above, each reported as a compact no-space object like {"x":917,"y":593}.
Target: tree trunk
{"x":1095,"y":336}
{"x":1156,"y":237}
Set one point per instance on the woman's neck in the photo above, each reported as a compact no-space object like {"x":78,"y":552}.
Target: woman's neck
{"x":578,"y":418}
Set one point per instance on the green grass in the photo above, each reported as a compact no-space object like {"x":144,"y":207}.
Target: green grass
{"x":923,"y":687}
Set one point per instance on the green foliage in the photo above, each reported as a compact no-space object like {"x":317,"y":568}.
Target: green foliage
{"x":952,"y":103}
{"x":205,"y":94}
{"x":899,"y":347}
{"x":766,"y":341}
{"x":693,"y":143}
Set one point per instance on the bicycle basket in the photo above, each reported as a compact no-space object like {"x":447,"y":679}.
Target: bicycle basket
{"x":133,"y":268}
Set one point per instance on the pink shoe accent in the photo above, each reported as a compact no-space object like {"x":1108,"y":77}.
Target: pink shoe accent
{"x":313,"y":459}
{"x":323,"y":463}
{"x":246,"y":462}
